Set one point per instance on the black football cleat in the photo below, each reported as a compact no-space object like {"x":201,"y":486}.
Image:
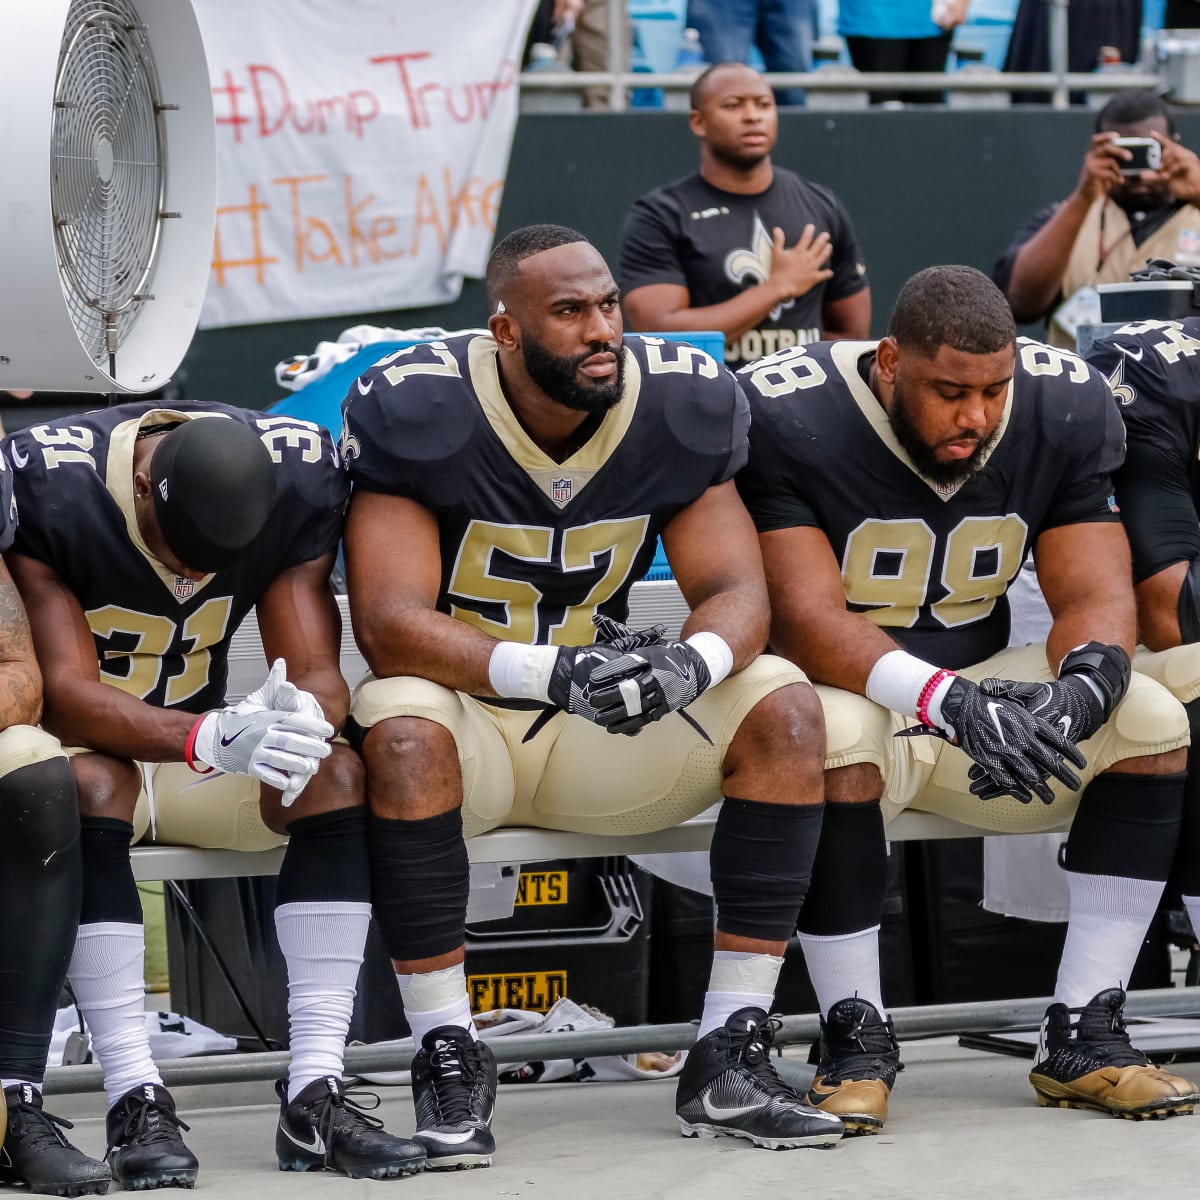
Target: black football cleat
{"x":857,"y":1058}
{"x":145,"y":1147}
{"x":1091,"y":1063}
{"x":36,"y":1154}
{"x":323,"y":1129}
{"x":729,"y":1087}
{"x":454,"y":1093}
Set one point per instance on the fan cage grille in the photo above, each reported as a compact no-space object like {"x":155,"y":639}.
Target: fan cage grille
{"x":107,"y":174}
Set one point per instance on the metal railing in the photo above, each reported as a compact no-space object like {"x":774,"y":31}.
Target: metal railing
{"x":1058,"y":80}
{"x":924,"y":1021}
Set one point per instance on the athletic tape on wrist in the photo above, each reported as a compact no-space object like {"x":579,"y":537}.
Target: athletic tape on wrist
{"x":521,"y":672}
{"x":715,"y":651}
{"x":898,"y":681}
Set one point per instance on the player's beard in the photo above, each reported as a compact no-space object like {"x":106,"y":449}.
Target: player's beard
{"x":559,"y":377}
{"x":924,"y":456}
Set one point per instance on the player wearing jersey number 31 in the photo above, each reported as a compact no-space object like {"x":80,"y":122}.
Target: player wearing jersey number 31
{"x":149,"y":534}
{"x":897,"y":488}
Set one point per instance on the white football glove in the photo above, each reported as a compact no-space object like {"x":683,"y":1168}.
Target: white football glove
{"x":281,"y":749}
{"x":279,"y":694}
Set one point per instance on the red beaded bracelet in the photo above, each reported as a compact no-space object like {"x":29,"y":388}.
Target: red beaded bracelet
{"x":190,"y":747}
{"x":931,"y":686}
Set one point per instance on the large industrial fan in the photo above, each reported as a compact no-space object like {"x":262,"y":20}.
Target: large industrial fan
{"x":107,"y":192}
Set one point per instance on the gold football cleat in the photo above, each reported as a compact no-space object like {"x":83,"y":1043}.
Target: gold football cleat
{"x":857,"y":1060}
{"x":1091,"y":1063}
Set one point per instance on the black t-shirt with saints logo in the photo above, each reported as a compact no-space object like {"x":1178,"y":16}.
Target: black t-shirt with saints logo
{"x":532,"y":549}
{"x":159,"y":636}
{"x":717,"y":244}
{"x":931,"y":564}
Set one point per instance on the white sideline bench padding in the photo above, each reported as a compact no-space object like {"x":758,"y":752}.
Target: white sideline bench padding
{"x":650,"y":603}
{"x":512,"y":845}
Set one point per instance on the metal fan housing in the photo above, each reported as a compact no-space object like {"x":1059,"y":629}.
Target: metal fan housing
{"x":108,"y":192}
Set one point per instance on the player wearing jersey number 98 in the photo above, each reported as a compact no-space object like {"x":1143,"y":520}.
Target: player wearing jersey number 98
{"x":962,"y":447}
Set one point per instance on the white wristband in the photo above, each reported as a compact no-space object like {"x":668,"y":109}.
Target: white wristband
{"x":521,"y":672}
{"x":897,"y":680}
{"x":715,"y":651}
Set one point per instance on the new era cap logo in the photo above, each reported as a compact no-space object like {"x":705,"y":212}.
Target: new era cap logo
{"x":162,"y":489}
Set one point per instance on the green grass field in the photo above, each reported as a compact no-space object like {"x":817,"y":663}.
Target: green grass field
{"x":156,"y":937}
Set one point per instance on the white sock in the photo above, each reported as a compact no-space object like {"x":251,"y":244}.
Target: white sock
{"x":1109,"y":918}
{"x":21,"y":1083}
{"x":107,"y":975}
{"x":846,"y":964}
{"x":436,"y":998}
{"x":322,"y":942}
{"x":738,"y":981}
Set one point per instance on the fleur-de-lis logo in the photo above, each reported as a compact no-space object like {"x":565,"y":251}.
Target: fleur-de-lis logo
{"x":753,"y":265}
{"x":349,"y":445}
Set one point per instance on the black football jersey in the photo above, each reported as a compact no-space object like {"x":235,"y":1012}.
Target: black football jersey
{"x":929,"y":563}
{"x":1153,"y":368}
{"x":531,"y":548}
{"x":8,"y":505}
{"x":159,"y":636}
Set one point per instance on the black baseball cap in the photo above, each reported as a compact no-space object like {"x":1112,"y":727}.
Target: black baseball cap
{"x":214,"y":488}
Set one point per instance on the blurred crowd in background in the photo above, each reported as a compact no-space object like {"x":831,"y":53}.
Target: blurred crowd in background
{"x":866,"y":35}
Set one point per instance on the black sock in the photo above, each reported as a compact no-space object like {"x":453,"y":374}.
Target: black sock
{"x":109,"y":889}
{"x":1127,"y":826}
{"x":326,"y":859}
{"x":761,"y":863}
{"x":849,"y":875}
{"x":420,"y":882}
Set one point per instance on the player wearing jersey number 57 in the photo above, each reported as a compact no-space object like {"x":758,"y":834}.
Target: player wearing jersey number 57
{"x":150,"y":535}
{"x":959,"y":448}
{"x":508,"y":490}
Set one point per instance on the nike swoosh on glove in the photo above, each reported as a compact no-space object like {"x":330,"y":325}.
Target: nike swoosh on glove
{"x":645,"y":685}
{"x":271,"y":746}
{"x":1016,"y":750}
{"x":1069,"y":704}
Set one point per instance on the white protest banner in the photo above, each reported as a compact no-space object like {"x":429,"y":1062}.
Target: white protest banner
{"x":361,"y":150}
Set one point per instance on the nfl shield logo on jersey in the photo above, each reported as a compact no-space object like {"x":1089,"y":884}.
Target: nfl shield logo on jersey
{"x":184,"y":587}
{"x":560,"y":491}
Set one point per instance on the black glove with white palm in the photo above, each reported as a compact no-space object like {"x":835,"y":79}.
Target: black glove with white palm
{"x":1092,"y":680}
{"x":1015,"y":752}
{"x":279,"y":747}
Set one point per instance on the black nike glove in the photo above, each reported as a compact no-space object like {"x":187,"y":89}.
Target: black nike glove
{"x":622,"y":637}
{"x":571,"y":687}
{"x":1091,"y":683}
{"x":645,"y":685}
{"x":1016,"y":751}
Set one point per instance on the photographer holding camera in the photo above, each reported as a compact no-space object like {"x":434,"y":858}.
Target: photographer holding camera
{"x":1138,"y":197}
